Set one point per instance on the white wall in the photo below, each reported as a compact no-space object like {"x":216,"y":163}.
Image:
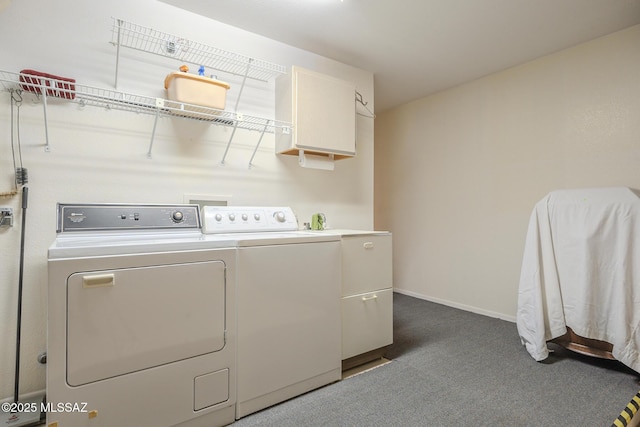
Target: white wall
{"x":458,"y":173}
{"x":100,"y":156}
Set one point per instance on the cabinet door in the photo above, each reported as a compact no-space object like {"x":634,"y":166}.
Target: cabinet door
{"x":367,"y":322}
{"x":366,"y":263}
{"x":324,"y":113}
{"x":322,"y":110}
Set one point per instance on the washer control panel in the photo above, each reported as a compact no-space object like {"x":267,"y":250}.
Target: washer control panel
{"x":247,"y":219}
{"x":106,"y":217}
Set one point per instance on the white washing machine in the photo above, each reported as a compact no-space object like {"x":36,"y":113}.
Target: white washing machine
{"x":141,"y":320}
{"x":288,"y":304}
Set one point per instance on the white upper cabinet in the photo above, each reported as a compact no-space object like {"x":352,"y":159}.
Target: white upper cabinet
{"x":322,"y":110}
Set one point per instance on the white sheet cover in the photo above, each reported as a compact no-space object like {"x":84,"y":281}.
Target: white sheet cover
{"x":581,"y":269}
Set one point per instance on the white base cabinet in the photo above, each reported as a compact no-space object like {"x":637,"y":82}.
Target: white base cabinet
{"x":367,"y":294}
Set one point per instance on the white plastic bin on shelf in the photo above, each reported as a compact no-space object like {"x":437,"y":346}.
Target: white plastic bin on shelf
{"x":197,"y":90}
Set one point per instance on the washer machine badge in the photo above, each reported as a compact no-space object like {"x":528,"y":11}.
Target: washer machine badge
{"x":76,"y":217}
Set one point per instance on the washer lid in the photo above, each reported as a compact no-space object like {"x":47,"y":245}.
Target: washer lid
{"x":275,"y":238}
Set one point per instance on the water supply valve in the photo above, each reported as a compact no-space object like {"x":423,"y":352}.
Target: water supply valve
{"x":6,"y":217}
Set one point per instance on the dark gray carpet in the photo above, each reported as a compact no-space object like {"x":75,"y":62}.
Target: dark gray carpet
{"x":454,"y":368}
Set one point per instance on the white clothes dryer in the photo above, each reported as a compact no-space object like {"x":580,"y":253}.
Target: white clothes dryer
{"x":141,"y":319}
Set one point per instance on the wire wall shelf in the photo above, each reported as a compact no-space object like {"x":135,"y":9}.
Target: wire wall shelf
{"x":145,"y":39}
{"x":44,"y":88}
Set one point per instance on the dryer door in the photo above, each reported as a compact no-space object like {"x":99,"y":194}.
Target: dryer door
{"x":126,"y":320}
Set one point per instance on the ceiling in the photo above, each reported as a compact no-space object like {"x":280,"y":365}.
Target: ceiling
{"x":419,"y":47}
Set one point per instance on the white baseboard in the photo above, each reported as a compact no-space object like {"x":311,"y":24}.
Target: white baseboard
{"x":453,"y":304}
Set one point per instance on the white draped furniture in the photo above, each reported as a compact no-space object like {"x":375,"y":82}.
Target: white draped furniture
{"x":581,"y":270}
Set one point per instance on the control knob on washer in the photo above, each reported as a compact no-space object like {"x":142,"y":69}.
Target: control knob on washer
{"x":232,"y":217}
{"x":279,"y":216}
{"x":177,"y":216}
{"x":218,"y":217}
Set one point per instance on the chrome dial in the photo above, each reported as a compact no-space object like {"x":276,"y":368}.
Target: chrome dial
{"x":177,"y":216}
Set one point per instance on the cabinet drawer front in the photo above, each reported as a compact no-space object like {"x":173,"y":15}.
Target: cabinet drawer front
{"x":366,"y":264}
{"x":367,"y":322}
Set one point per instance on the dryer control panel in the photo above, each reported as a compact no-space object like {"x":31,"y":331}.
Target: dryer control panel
{"x":107,"y":217}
